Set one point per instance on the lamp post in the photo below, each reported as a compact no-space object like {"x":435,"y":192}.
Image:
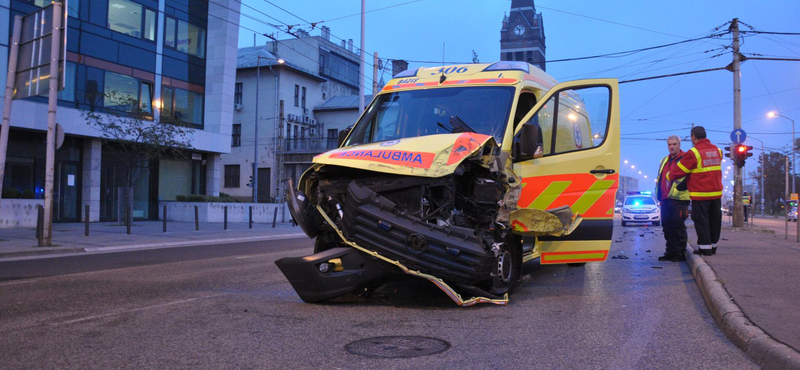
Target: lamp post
{"x":794,"y":174}
{"x":255,"y":123}
{"x":762,"y":174}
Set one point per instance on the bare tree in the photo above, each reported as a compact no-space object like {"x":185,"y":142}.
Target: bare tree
{"x":135,"y":137}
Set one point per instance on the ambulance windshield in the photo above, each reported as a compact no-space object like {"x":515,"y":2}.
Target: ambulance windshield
{"x":415,"y":113}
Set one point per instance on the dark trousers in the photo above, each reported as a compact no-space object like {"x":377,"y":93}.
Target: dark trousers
{"x":707,"y":217}
{"x":673,"y":217}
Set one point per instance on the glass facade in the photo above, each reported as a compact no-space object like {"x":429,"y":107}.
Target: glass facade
{"x":111,"y":67}
{"x":337,"y":67}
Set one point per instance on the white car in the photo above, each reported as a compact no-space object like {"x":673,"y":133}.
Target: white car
{"x":793,"y":214}
{"x":640,"y":208}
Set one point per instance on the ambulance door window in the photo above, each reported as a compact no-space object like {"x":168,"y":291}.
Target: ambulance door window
{"x":582,"y":119}
{"x":544,"y":118}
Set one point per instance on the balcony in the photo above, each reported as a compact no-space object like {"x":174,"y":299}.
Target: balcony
{"x":309,"y":145}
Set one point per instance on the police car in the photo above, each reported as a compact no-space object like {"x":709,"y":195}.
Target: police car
{"x":640,"y":207}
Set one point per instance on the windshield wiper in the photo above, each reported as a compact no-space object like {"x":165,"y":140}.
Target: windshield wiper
{"x":459,"y":125}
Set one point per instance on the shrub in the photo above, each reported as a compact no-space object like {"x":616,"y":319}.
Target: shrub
{"x":180,"y":198}
{"x":11,"y":193}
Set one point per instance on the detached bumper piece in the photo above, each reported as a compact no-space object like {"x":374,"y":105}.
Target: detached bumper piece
{"x":452,"y":253}
{"x":331,"y":273}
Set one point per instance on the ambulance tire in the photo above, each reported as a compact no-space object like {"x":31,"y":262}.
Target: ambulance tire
{"x":509,"y":268}
{"x":579,"y":264}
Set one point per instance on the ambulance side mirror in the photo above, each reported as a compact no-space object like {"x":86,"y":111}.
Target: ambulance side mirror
{"x":342,"y":136}
{"x":530,"y":144}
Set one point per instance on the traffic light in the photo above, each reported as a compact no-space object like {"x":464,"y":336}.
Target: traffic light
{"x":727,"y":152}
{"x":741,"y":153}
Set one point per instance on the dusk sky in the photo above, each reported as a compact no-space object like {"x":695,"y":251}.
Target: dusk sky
{"x":650,"y":110}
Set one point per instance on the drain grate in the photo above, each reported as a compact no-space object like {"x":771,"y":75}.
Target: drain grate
{"x":397,"y":347}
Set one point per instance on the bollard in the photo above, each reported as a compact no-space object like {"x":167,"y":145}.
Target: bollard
{"x":164,"y":221}
{"x":225,"y":222}
{"x":196,"y":219}
{"x":251,"y":217}
{"x":274,"y":217}
{"x":40,"y":224}
{"x":128,"y":217}
{"x":86,"y":221}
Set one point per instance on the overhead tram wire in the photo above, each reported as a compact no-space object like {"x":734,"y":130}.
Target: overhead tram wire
{"x":268,"y":24}
{"x":357,"y":14}
{"x":277,"y":28}
{"x":289,"y":27}
{"x":618,"y":54}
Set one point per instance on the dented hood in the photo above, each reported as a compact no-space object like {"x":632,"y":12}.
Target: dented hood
{"x":427,"y":156}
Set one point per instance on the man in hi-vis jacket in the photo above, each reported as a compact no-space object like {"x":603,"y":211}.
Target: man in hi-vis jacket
{"x":702,"y":167}
{"x":674,"y":198}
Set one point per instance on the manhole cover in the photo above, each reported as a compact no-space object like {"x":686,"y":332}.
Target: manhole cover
{"x":397,"y":347}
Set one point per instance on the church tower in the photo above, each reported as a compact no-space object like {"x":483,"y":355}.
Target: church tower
{"x":522,"y":35}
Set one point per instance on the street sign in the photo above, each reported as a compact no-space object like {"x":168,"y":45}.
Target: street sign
{"x":33,"y":62}
{"x":59,"y":135}
{"x":738,"y":136}
{"x":793,"y":196}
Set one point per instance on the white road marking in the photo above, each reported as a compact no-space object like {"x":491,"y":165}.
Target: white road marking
{"x":136,"y":309}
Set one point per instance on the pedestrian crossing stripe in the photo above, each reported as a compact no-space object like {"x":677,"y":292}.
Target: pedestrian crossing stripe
{"x":573,"y":256}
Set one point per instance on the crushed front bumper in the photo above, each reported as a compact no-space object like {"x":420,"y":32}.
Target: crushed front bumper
{"x":347,"y":270}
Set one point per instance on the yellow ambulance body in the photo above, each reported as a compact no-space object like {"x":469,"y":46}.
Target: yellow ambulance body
{"x":459,"y":174}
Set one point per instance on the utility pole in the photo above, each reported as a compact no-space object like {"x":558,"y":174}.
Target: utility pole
{"x":738,"y":212}
{"x":10,"y":81}
{"x":52,"y":104}
{"x":361,"y":65}
{"x":375,"y":74}
{"x":255,"y":137}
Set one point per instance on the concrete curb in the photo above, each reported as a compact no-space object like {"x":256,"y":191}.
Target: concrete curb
{"x":768,"y":352}
{"x":119,"y":248}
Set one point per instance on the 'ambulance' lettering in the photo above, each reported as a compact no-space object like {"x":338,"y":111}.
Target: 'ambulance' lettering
{"x":395,"y":157}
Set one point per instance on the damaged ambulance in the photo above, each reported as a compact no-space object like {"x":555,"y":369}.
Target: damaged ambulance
{"x":459,"y":175}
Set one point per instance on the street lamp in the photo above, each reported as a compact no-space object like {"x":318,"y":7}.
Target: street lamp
{"x":794,"y":173}
{"x":255,"y":124}
{"x":763,"y":159}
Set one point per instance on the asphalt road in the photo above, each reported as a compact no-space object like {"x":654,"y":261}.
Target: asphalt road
{"x":230,"y":308}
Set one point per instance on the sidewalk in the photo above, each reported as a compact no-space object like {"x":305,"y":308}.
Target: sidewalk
{"x":752,"y":288}
{"x":109,"y":236}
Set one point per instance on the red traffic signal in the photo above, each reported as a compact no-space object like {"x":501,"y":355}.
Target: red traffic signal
{"x":741,"y":152}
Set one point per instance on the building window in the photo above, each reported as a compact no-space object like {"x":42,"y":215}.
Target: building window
{"x":237,"y":95}
{"x":236,"y":135}
{"x":529,"y":56}
{"x":288,"y":131}
{"x":182,"y":105}
{"x":232,"y":176}
{"x":185,"y":37}
{"x":519,"y":56}
{"x":121,"y":92}
{"x":296,"y":95}
{"x":303,"y":100}
{"x":338,"y":68}
{"x":68,"y":93}
{"x":131,"y":19}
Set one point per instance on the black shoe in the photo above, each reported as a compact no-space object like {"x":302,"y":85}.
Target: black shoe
{"x":714,"y":250}
{"x":699,"y":252}
{"x":678,"y":258}
{"x":666,"y":257}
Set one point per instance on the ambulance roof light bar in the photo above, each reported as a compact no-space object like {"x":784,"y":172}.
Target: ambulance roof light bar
{"x":407,"y":73}
{"x":508,"y":66}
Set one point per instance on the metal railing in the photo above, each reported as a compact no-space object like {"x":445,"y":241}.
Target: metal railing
{"x":309,"y":145}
